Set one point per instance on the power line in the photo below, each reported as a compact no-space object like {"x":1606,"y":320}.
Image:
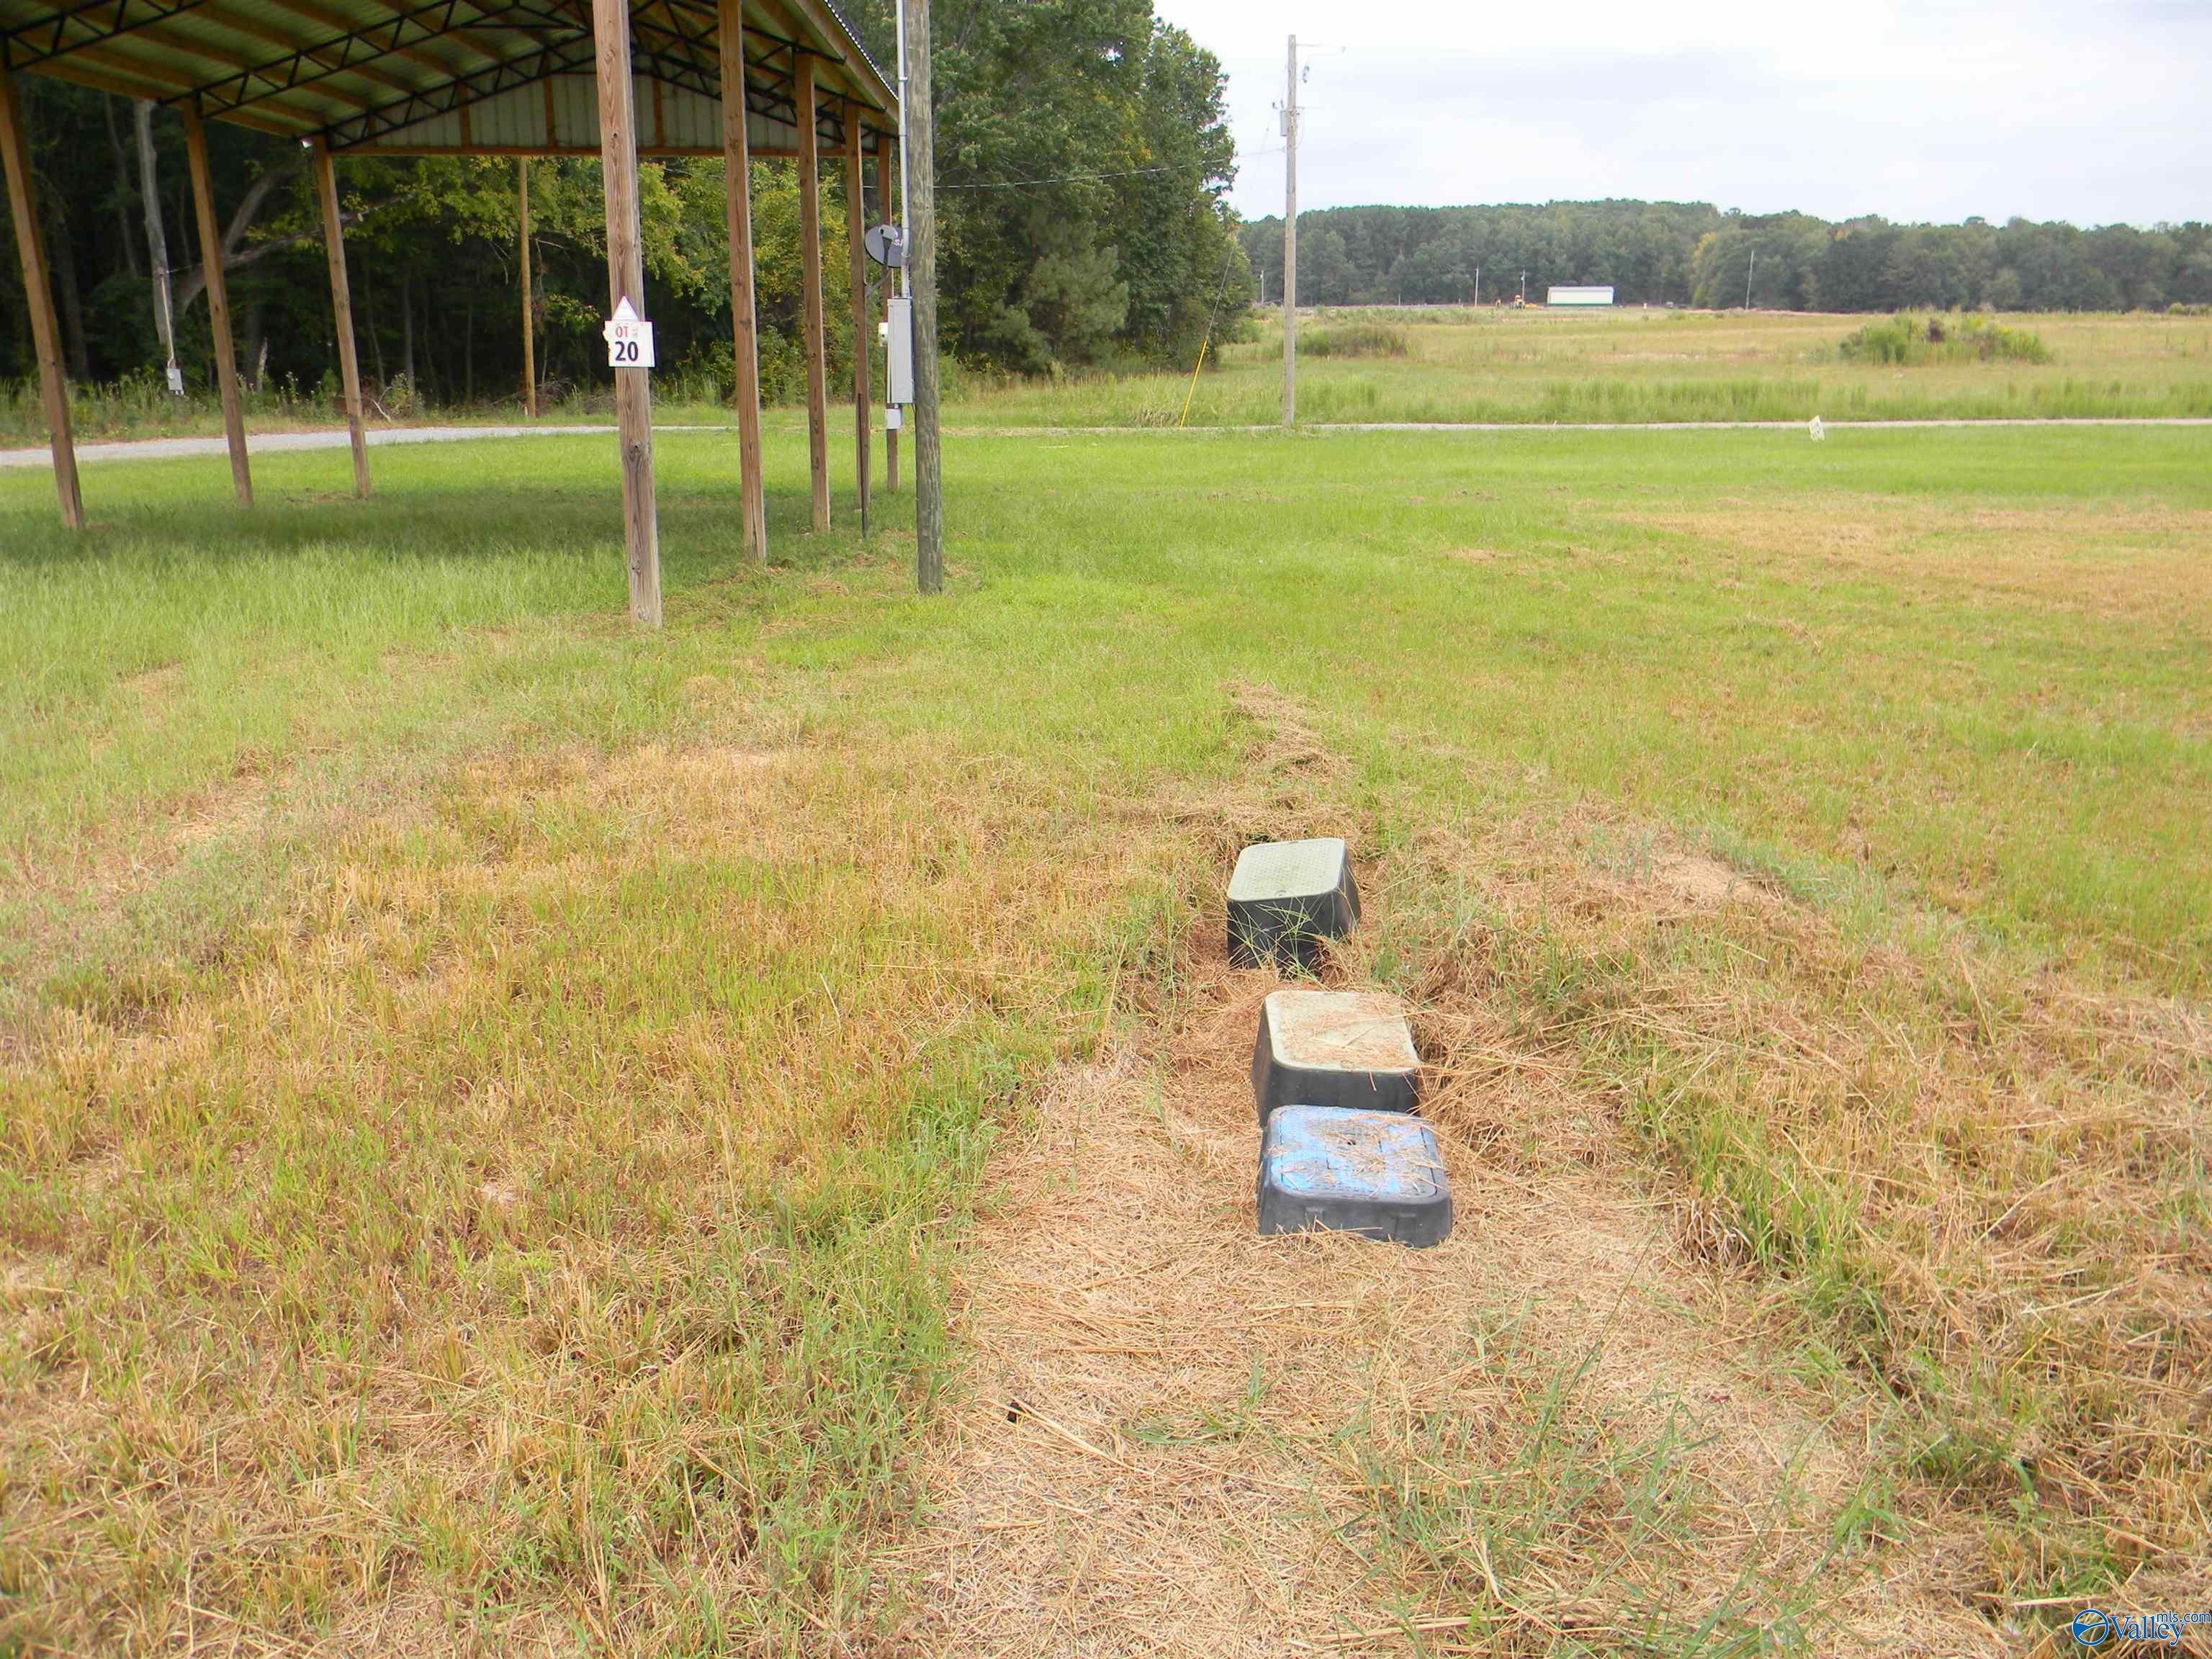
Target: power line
{"x":1066,"y":178}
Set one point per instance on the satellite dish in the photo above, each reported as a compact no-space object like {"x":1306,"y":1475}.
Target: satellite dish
{"x":886,"y":245}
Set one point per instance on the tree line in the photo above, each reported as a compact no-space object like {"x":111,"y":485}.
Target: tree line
{"x":1692,"y":254}
{"x":1083,"y":162}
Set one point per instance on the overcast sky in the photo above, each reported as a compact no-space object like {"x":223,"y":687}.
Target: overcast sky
{"x":2095,"y":111}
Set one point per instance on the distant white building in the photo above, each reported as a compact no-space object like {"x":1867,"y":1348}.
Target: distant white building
{"x":1578,"y":296}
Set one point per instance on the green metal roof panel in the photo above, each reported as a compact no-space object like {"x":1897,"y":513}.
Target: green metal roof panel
{"x":444,"y":75}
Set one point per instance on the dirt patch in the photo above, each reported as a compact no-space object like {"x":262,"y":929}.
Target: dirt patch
{"x":152,"y":688}
{"x":1698,"y":880}
{"x":238,"y":806}
{"x":2141,"y":563}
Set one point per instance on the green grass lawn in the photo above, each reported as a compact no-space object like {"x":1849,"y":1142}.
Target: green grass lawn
{"x":489,"y":1099}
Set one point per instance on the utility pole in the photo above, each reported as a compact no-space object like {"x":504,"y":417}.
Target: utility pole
{"x":529,"y":346}
{"x":1291,"y":243}
{"x":1524,"y":288}
{"x":1747,"y":279}
{"x":1478,"y":285}
{"x":917,"y":156}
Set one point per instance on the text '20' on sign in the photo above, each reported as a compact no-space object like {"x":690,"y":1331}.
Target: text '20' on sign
{"x":629,"y":338}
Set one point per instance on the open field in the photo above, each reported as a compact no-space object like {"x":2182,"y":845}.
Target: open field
{"x":1542,"y":365}
{"x":517,"y":1135}
{"x":1534,"y":367}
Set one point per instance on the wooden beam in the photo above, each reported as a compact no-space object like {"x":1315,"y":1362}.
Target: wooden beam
{"x":856,"y":258}
{"x":326,"y":191}
{"x":626,"y":280}
{"x":122,"y":85}
{"x":46,"y":331}
{"x":810,"y":262}
{"x":218,"y":299}
{"x":886,"y":174}
{"x":284,"y":113}
{"x":862,"y":79}
{"x":529,"y":328}
{"x":744,"y":323}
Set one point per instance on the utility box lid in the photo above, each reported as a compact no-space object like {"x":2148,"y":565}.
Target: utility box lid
{"x":1334,"y":1048}
{"x":1285,"y":897}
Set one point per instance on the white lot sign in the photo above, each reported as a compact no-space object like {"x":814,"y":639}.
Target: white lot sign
{"x":629,"y":338}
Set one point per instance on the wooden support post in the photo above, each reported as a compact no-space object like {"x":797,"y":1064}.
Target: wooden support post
{"x":809,"y":261}
{"x":39,"y":294}
{"x":218,"y":299}
{"x":327,"y":190}
{"x":921,"y":185}
{"x":856,"y":227}
{"x":529,"y":331}
{"x":626,"y":280}
{"x":886,"y":174}
{"x":745,"y":327}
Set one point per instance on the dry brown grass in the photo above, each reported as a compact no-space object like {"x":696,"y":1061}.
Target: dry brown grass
{"x":1177,"y":1437}
{"x":1976,"y":1189}
{"x":528,"y":1238}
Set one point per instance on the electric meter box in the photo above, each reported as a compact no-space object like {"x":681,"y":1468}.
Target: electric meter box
{"x":898,"y":351}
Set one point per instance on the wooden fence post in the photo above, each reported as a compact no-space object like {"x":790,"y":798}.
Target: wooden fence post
{"x":529,"y":329}
{"x":921,"y":185}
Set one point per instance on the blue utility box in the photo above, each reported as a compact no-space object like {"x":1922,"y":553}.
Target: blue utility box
{"x":1378,"y":1174}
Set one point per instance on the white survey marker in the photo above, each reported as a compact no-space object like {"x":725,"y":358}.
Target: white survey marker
{"x":629,"y":338}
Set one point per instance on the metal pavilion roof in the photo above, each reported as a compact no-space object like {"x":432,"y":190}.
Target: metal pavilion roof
{"x":451,"y":76}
